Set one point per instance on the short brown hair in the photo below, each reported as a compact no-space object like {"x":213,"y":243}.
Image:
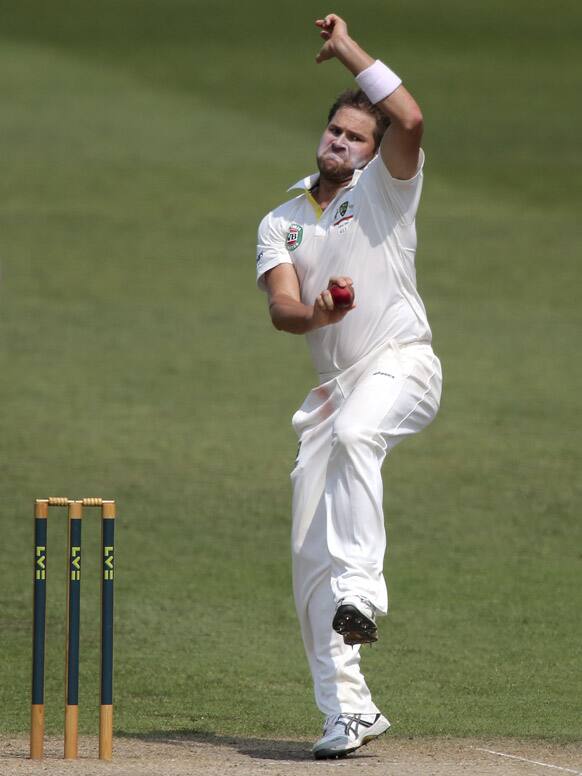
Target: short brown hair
{"x":355,"y":98}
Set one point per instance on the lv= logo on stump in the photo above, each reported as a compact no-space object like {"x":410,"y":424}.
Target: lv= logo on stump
{"x":75,"y":514}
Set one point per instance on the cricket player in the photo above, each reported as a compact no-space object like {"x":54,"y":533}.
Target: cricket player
{"x":352,"y":225}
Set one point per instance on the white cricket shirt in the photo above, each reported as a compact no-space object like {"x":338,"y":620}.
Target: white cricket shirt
{"x":367,"y":233}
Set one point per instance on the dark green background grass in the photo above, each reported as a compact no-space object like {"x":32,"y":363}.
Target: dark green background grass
{"x":141,"y":144}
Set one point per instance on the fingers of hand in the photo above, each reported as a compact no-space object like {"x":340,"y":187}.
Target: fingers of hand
{"x":326,"y":26}
{"x":331,"y":23}
{"x":342,"y":281}
{"x":327,"y":300}
{"x":327,"y":22}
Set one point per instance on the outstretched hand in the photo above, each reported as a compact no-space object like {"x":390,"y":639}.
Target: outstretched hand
{"x":333,"y":30}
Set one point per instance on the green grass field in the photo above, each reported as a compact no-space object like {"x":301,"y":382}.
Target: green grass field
{"x":141,"y":144}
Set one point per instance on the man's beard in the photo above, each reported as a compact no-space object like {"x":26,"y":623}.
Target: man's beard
{"x":335,"y":172}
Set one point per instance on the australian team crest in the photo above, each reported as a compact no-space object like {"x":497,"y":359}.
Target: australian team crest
{"x":294,"y":237}
{"x":344,"y":212}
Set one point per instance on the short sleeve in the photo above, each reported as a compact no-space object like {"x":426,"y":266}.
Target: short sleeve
{"x":402,"y":195}
{"x":271,"y":249}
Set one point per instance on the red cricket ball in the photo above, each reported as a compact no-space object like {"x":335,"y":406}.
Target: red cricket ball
{"x":343,"y":296}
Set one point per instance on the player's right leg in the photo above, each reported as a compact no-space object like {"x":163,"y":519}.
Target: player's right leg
{"x":338,"y":682}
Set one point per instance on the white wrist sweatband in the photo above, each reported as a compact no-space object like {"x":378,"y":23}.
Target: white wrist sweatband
{"x":378,"y":81}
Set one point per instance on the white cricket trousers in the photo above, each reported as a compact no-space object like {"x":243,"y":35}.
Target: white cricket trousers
{"x":346,"y":426}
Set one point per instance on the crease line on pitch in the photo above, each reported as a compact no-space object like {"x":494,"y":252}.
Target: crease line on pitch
{"x":531,"y":762}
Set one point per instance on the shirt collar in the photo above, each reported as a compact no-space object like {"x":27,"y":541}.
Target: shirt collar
{"x":306,"y":184}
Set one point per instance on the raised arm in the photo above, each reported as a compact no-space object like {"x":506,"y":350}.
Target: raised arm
{"x":400,"y":145}
{"x":288,"y":312}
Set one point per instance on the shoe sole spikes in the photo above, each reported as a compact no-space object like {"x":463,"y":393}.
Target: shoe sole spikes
{"x":354,"y":626}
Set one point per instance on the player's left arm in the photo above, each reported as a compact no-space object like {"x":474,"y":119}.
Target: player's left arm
{"x":400,"y":146}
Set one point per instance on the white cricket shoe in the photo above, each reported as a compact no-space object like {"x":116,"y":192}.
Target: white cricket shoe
{"x":344,"y":733}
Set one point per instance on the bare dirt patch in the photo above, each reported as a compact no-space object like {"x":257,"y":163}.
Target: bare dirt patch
{"x":183,"y":755}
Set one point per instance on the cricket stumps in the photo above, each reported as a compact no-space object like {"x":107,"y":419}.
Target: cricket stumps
{"x":73,"y":611}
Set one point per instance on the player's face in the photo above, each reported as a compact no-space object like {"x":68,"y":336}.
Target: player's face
{"x":347,"y":144}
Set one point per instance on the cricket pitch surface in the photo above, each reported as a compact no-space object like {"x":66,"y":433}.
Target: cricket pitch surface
{"x":180,"y":754}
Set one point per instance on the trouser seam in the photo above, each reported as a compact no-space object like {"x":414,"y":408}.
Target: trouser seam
{"x":422,"y":398}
